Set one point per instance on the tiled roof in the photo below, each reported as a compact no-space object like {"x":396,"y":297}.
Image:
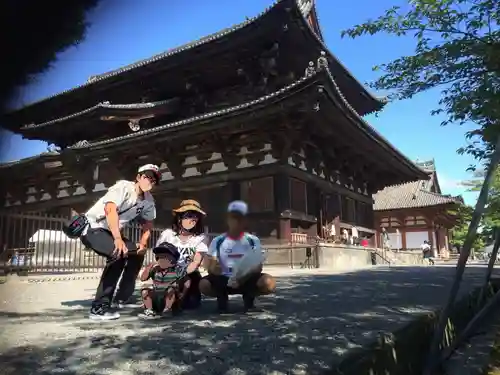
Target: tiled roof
{"x":48,"y":156}
{"x":410,"y":195}
{"x":320,"y":67}
{"x":313,"y":74}
{"x":304,"y":7}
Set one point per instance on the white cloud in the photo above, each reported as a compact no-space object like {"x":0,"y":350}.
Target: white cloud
{"x":447,"y":183}
{"x":455,"y":187}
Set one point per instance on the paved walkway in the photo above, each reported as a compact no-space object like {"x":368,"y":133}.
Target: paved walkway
{"x":311,"y":322}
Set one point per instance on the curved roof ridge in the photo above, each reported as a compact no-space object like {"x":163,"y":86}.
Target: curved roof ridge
{"x":43,"y":155}
{"x":374,"y":133}
{"x":106,"y":105}
{"x":170,"y":52}
{"x":204,"y":116}
{"x":440,"y":195}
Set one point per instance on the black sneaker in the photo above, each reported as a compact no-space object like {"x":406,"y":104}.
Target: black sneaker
{"x":118,"y":304}
{"x":222,"y":304}
{"x":248,"y":302}
{"x":102,"y":312}
{"x":148,"y":314}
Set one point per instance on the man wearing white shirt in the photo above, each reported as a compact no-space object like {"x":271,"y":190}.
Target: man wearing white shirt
{"x":355,"y":235}
{"x":427,"y":252}
{"x":225,"y":252}
{"x":122,"y":203}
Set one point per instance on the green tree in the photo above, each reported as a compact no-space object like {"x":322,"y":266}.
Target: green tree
{"x":463,"y":213}
{"x":491,"y":217}
{"x":457,"y":48}
{"x":35,"y":31}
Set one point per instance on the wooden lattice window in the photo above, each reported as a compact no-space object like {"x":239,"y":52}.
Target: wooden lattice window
{"x":259,"y":194}
{"x":298,"y":195}
{"x":351,"y":209}
{"x":362,"y":214}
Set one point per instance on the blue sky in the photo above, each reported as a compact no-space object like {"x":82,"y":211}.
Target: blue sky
{"x":135,"y":30}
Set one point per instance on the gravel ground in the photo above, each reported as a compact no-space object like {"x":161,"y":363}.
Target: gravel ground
{"x":314,"y":319}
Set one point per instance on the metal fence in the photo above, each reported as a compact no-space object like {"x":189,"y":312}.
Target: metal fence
{"x":35,"y":243}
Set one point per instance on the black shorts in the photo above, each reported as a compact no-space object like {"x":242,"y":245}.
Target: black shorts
{"x":220,"y":282}
{"x":102,"y":242}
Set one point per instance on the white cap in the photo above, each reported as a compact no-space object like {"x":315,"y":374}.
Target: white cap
{"x":150,"y":168}
{"x":238,"y":206}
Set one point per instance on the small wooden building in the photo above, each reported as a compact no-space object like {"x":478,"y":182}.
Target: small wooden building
{"x":261,"y":111}
{"x":415,"y":212}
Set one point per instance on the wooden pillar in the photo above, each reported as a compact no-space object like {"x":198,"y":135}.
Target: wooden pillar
{"x":282,"y":203}
{"x":442,"y":243}
{"x":403,"y":237}
{"x":234,"y":191}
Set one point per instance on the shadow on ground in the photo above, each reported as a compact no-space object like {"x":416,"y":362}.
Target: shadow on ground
{"x":310,"y":323}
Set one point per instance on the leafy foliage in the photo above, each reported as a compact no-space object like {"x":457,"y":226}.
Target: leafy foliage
{"x":459,"y":231}
{"x":491,"y":217}
{"x":457,"y":49}
{"x":35,"y":31}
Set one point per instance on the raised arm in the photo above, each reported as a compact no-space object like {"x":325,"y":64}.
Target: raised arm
{"x":211,"y":261}
{"x":201,"y":251}
{"x":146,"y":273}
{"x":148,"y":216}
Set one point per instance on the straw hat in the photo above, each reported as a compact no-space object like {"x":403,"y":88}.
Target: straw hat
{"x":189,"y":205}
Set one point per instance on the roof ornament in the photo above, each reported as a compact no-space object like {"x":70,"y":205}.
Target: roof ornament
{"x":322,"y":62}
{"x":81,"y":144}
{"x":310,"y":70}
{"x":305,"y":6}
{"x":134,"y":125}
{"x":53,"y":149}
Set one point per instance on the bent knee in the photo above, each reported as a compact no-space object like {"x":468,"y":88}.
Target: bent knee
{"x":266,"y":284}
{"x":145,"y":293}
{"x":206,"y":288}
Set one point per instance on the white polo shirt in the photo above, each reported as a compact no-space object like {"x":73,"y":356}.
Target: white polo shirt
{"x":187,"y":248}
{"x":231,"y":250}
{"x":122,"y":194}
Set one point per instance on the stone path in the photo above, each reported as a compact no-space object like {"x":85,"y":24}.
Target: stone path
{"x":311,"y":322}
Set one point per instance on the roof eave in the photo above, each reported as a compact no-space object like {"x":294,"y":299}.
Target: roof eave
{"x":416,"y":207}
{"x":97,"y":79}
{"x":415,"y":173}
{"x":283,"y":92}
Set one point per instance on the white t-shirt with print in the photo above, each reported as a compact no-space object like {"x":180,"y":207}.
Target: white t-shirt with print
{"x":425,"y":246}
{"x":187,"y":248}
{"x":122,"y":194}
{"x":231,"y":250}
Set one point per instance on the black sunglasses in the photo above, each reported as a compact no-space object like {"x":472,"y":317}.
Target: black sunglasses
{"x":190,"y":215}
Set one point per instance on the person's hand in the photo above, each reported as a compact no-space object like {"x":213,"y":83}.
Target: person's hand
{"x":120,"y":248}
{"x":154,"y":267}
{"x":141,"y":249}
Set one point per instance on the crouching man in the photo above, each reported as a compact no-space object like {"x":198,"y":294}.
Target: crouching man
{"x":224,"y":254}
